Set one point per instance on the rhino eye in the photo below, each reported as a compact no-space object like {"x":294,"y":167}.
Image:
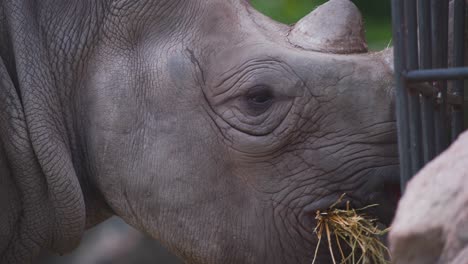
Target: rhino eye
{"x":259,"y":99}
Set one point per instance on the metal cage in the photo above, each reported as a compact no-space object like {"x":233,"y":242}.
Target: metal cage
{"x":429,"y":74}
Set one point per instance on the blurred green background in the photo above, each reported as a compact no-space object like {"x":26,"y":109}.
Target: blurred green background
{"x":376,"y":13}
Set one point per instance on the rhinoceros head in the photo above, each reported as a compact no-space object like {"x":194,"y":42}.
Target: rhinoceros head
{"x":217,"y":130}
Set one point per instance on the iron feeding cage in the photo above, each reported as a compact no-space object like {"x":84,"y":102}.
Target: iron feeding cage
{"x":429,"y":74}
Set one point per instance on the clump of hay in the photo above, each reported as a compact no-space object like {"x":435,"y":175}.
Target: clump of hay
{"x":356,"y":230}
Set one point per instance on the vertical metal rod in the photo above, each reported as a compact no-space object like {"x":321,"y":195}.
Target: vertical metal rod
{"x":458,"y":61}
{"x":401,"y":94}
{"x":439,"y":10}
{"x":414,"y":106}
{"x":425,"y":62}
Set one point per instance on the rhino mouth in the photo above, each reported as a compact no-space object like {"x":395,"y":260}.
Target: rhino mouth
{"x":381,"y":204}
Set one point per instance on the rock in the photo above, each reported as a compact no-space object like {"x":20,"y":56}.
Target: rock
{"x":431,"y":223}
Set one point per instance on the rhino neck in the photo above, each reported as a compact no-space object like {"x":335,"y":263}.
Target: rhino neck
{"x":40,"y":145}
{"x":72,"y":34}
{"x":37,"y":179}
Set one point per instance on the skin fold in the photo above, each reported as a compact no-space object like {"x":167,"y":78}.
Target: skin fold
{"x":198,"y":122}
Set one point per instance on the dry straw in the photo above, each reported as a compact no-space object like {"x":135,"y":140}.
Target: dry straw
{"x":351,"y":228}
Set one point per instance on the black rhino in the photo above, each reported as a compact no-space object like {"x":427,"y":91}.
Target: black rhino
{"x":203,"y":123}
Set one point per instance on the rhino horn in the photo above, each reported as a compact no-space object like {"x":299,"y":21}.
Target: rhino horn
{"x":334,"y":27}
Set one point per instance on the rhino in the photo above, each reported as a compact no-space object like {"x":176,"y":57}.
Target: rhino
{"x":203,"y":123}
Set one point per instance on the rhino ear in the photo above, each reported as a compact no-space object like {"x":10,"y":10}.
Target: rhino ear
{"x":334,"y":27}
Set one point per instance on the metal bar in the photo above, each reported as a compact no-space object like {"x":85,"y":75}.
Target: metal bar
{"x":425,"y":62}
{"x":401,"y":94}
{"x":414,"y":106}
{"x":439,"y":23}
{"x":458,"y":61}
{"x":456,"y":73}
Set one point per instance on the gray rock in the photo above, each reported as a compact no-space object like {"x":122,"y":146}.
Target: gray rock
{"x":431,"y":223}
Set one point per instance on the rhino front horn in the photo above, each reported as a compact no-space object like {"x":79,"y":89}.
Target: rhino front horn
{"x":334,"y":27}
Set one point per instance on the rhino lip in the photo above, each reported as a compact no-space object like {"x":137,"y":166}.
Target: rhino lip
{"x":326,"y":203}
{"x":309,"y":212}
{"x":382,"y":213}
{"x":384,"y":193}
{"x":387,"y":199}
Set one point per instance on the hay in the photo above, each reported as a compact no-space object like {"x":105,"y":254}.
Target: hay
{"x":356,"y":230}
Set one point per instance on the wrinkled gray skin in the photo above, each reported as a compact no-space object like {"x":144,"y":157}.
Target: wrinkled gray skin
{"x":197,"y":122}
